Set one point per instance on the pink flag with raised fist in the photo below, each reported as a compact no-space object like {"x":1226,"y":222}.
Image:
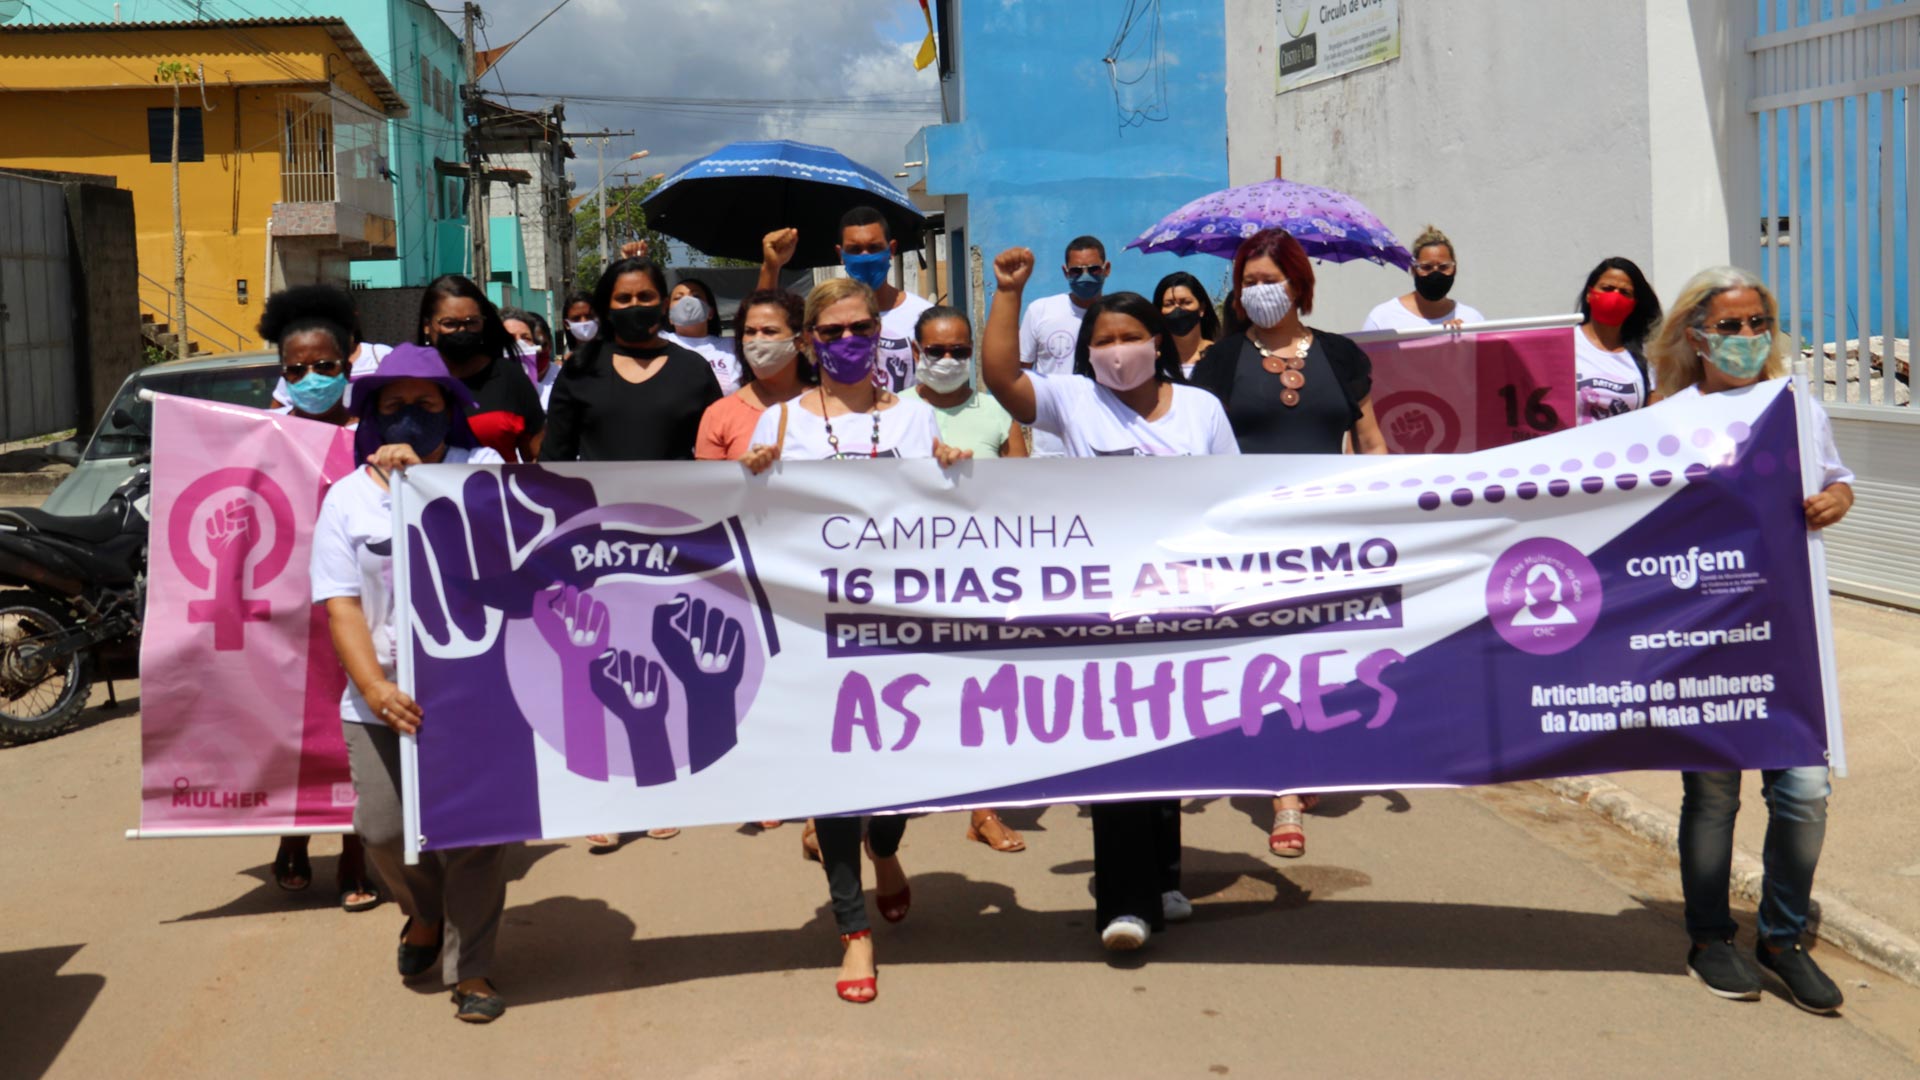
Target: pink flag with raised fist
{"x":1473,"y":390}
{"x":239,"y":686}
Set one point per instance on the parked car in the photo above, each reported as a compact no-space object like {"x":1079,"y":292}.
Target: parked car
{"x":121,"y":436}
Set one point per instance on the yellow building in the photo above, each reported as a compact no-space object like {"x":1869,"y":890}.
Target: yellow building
{"x":283,"y":175}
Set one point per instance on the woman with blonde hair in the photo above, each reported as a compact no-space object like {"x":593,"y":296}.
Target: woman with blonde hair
{"x":1434,"y":266}
{"x":849,"y":417}
{"x":1720,"y":336}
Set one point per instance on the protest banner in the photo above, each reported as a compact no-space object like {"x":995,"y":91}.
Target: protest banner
{"x":1450,"y":391}
{"x":239,"y":686}
{"x":607,"y":647}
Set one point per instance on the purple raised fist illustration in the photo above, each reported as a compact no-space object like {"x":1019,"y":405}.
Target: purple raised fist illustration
{"x":575,"y":626}
{"x":705,"y":649}
{"x":636,"y":690}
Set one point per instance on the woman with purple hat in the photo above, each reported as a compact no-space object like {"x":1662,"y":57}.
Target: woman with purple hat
{"x":412,"y":411}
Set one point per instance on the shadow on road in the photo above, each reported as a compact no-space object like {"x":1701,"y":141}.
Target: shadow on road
{"x":266,"y":897}
{"x":43,"y":1007}
{"x":567,"y":947}
{"x":92,"y":716}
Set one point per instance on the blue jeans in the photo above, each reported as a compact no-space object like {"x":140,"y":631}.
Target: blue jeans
{"x":1796,"y":827}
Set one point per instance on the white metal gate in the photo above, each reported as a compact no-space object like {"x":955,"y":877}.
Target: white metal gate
{"x":38,"y":378}
{"x":1837,"y":126}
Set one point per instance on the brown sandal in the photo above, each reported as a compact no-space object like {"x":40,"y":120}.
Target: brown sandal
{"x":809,"y":843}
{"x":987,"y":828}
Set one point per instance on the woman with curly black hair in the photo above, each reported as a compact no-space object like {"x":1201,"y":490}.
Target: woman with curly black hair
{"x":314,"y":328}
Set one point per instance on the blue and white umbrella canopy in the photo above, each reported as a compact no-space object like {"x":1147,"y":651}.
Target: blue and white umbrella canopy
{"x":725,"y":203}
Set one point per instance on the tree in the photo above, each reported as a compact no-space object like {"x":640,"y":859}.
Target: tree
{"x":176,"y":73}
{"x":626,"y":221}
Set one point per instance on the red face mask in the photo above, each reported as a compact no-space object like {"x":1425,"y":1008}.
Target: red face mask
{"x":1609,"y":308}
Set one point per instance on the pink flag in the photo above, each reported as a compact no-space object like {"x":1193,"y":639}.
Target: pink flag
{"x":239,"y":686}
{"x":1455,"y":393}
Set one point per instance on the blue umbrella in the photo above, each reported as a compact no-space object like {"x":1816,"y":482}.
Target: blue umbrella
{"x":725,"y":203}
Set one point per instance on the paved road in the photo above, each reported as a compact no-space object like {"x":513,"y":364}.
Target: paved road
{"x":1491,"y":933}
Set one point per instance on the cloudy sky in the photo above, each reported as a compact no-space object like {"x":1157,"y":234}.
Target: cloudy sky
{"x":738,"y":49}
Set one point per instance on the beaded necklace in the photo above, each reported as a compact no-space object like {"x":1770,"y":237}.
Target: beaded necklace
{"x":833,"y":441}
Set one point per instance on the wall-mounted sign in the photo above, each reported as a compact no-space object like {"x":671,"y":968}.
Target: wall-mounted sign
{"x":1322,"y":39}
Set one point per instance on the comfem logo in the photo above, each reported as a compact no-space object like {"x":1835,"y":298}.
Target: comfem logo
{"x":1685,"y":569}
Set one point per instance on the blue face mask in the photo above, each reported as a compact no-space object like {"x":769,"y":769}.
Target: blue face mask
{"x":869,"y":269}
{"x":424,"y":431}
{"x":315,"y":393}
{"x":1085,"y":286}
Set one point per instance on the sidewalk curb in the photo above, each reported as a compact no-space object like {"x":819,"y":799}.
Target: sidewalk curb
{"x":1835,"y":920}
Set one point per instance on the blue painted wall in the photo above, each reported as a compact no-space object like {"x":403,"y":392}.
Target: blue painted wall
{"x":1841,"y":317}
{"x":1053,"y":142}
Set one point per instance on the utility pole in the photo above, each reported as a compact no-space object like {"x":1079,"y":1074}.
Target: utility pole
{"x":481,"y":267}
{"x":600,"y":189}
{"x":175,"y":73}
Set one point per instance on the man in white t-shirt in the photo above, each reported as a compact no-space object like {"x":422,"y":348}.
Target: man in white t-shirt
{"x":1051,"y":326}
{"x":866,"y":252}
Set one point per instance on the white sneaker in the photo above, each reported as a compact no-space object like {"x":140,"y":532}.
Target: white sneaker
{"x":1125,"y":934}
{"x":1175,"y":906}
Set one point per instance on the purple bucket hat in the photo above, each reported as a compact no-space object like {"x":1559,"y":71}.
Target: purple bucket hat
{"x":410,"y":362}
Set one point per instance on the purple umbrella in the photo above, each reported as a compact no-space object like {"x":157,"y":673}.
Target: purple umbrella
{"x":1331,"y":225}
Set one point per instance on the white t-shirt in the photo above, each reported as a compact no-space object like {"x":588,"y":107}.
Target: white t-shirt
{"x":1048,"y":332}
{"x":545,"y":385}
{"x":366,"y":361}
{"x":896,"y":342}
{"x":907,"y":430}
{"x":353,"y":556}
{"x":1393,"y":315}
{"x":1832,"y":469}
{"x":1605,"y":383}
{"x":719,"y":354}
{"x":1092,"y":422}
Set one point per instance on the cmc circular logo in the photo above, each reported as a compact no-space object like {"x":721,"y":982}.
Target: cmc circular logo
{"x":1543,"y":596}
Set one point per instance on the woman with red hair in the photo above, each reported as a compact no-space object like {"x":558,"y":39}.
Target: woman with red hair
{"x":1288,"y":389}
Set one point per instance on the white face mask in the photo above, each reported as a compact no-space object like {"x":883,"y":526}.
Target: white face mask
{"x":584,"y":329}
{"x":943,"y":375}
{"x":767,"y":357}
{"x":689,"y":310}
{"x":1266,"y":305}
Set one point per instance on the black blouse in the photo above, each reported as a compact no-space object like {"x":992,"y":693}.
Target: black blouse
{"x":595,"y":415}
{"x":1339,"y":376}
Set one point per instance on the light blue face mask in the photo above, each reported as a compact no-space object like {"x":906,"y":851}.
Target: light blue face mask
{"x":315,"y":393}
{"x":1740,"y":357}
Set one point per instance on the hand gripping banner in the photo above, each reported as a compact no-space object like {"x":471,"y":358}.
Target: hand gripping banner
{"x":611,"y":647}
{"x":239,"y":686}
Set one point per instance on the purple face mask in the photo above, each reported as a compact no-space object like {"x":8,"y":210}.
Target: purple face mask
{"x":847,"y":358}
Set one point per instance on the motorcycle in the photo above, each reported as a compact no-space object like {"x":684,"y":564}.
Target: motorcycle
{"x":72,"y":596}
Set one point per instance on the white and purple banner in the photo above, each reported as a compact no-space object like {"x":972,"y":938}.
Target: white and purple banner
{"x":610,"y":647}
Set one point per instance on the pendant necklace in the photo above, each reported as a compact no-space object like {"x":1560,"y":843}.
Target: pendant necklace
{"x":833,"y":441}
{"x":1291,"y":369}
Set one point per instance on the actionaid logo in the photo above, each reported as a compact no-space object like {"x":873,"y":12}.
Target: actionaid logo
{"x":1685,"y":569}
{"x":247,"y":524}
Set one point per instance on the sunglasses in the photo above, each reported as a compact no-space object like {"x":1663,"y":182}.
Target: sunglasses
{"x":324,"y":368}
{"x":833,"y":331}
{"x":942,"y":352}
{"x":1755,"y":323}
{"x":1078,"y":272}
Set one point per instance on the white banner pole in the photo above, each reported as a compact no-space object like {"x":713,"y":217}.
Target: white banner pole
{"x":240,"y":830}
{"x":410,"y":837}
{"x":1811,"y":474}
{"x":1539,"y":322}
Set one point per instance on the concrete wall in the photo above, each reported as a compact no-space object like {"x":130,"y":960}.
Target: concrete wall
{"x":1040,"y":151}
{"x":1542,"y":139}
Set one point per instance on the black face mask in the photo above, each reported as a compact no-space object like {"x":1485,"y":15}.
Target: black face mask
{"x":462,"y":344}
{"x":1181,"y":321}
{"x":1433,"y":286}
{"x":637,"y":323}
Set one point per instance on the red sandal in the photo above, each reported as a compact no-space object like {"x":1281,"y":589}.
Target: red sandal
{"x":894,"y":908}
{"x":847,"y":988}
